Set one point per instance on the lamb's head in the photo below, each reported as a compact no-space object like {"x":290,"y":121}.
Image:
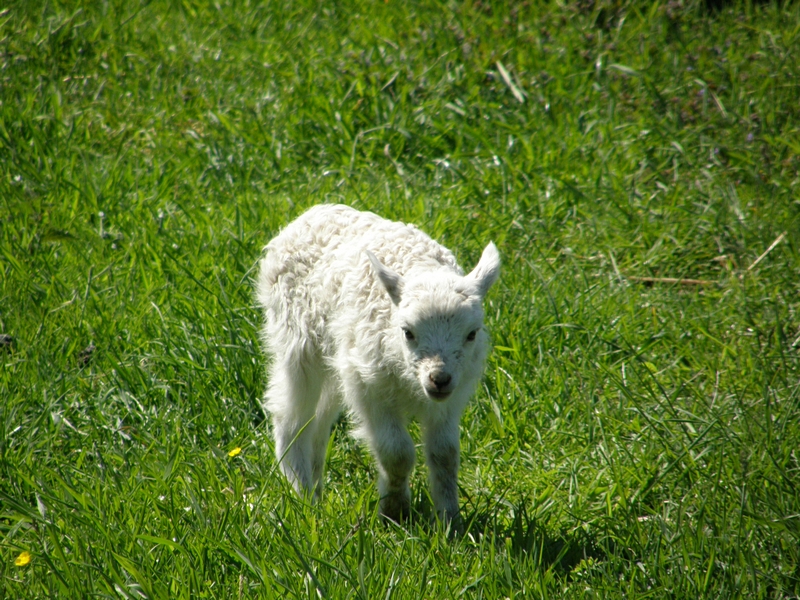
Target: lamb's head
{"x":437,"y":319}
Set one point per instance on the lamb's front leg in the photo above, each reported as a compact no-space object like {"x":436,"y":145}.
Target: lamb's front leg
{"x":442,"y":454}
{"x":395,"y":454}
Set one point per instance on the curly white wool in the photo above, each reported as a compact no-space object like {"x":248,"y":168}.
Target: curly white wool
{"x":375,"y":317}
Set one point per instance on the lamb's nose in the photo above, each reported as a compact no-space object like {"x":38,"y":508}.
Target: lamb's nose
{"x":440,"y":380}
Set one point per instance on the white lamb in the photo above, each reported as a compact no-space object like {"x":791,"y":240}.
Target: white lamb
{"x":375,"y":317}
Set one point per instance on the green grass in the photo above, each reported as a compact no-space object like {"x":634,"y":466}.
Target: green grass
{"x":630,"y":440}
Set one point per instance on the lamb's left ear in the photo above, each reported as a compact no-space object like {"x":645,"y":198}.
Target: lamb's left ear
{"x":390,"y":280}
{"x":485,"y":272}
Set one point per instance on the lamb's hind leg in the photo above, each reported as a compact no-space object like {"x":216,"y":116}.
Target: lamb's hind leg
{"x":327,"y":411}
{"x":292,"y":397}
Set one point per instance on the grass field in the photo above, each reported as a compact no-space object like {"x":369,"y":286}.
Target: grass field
{"x":633,"y":438}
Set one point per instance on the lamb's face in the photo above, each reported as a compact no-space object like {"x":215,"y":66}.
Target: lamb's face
{"x":438,"y":322}
{"x":442,"y":336}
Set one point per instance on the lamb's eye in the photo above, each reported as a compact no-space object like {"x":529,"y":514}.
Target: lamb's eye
{"x":471,"y":335}
{"x":408,"y":334}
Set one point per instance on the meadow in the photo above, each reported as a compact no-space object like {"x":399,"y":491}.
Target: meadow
{"x":637,"y":433}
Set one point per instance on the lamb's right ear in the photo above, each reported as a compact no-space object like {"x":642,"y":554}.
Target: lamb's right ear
{"x":390,"y":280}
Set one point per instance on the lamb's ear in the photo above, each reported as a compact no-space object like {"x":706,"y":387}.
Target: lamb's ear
{"x":390,"y":280}
{"x":485,"y":272}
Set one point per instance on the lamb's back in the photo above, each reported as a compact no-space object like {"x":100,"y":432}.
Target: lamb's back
{"x":316,"y":269}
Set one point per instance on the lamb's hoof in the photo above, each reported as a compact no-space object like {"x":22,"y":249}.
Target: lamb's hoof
{"x":455,"y":526}
{"x":452,"y":523}
{"x":395,"y":507}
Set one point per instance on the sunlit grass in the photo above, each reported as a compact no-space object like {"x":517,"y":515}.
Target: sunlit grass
{"x":632,"y":437}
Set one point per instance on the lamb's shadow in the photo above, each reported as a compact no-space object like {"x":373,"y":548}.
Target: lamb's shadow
{"x":560,"y":551}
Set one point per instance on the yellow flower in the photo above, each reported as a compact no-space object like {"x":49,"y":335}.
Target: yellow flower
{"x":235,"y":452}
{"x":23,"y":559}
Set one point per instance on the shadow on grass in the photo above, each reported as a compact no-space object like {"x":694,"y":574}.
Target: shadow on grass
{"x":560,"y":552}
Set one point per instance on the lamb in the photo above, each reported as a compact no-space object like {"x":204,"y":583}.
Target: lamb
{"x":374,"y":317}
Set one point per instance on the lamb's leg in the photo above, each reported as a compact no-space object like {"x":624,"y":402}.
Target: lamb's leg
{"x":386,"y":435}
{"x":292,"y":396}
{"x":327,"y":411}
{"x":442,"y":455}
{"x":394,"y":451}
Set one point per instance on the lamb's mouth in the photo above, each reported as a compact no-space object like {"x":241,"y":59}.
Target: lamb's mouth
{"x":437,"y":395}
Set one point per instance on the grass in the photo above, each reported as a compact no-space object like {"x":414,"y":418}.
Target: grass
{"x":630,"y":439}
